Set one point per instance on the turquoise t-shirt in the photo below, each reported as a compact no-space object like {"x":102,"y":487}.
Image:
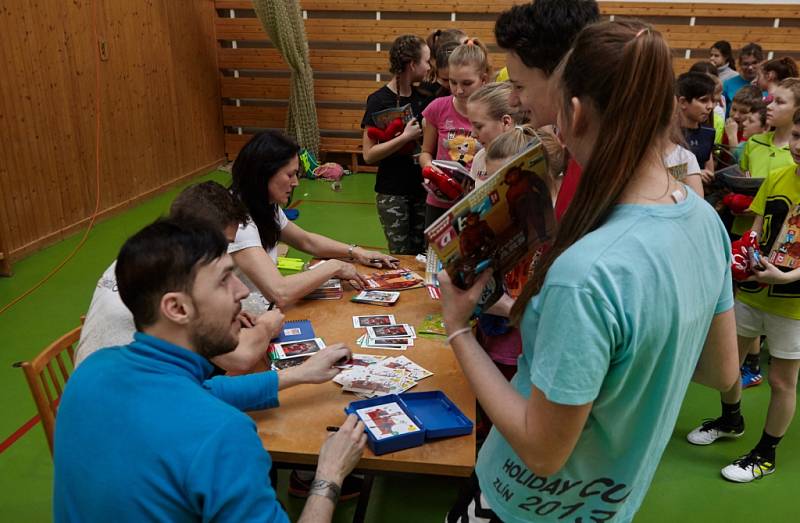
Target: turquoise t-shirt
{"x":621,"y":321}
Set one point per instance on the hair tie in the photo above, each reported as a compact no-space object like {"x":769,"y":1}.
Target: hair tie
{"x":642,"y":31}
{"x":469,"y":41}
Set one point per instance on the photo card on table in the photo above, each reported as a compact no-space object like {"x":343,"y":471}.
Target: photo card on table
{"x":296,"y":349}
{"x":402,"y":330}
{"x":359,"y":322}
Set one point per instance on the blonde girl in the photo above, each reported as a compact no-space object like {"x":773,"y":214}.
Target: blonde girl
{"x":448,"y":132}
{"x":490,"y":114}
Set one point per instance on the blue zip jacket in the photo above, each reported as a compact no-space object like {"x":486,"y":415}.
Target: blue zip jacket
{"x":141,"y":436}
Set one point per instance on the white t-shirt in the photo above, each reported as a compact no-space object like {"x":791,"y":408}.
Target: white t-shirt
{"x":247,"y":236}
{"x":108,"y":322}
{"x":478,"y":169}
{"x":681,"y":162}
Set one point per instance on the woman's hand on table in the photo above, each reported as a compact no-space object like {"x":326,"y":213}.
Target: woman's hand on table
{"x":375,"y":259}
{"x":341,"y":451}
{"x":458,"y":304}
{"x":319,"y":368}
{"x":348,"y":271}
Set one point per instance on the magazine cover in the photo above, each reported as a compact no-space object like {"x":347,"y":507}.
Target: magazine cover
{"x":786,"y":249}
{"x":496,"y":225}
{"x":383,"y":118}
{"x":394,"y":280}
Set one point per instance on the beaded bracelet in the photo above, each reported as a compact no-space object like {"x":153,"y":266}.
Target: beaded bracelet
{"x":457,"y":333}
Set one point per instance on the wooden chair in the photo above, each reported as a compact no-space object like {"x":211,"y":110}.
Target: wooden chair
{"x":47,"y":374}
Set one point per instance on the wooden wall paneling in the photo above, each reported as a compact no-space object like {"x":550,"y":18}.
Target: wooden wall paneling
{"x":343,"y":34}
{"x":161,"y":114}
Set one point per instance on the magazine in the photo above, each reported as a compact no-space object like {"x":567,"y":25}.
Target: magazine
{"x":383,"y":118}
{"x":394,"y":280}
{"x":496,"y":225}
{"x":785,"y":251}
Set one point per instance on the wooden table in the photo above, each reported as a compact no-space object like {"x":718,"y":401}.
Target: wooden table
{"x":294,"y":433}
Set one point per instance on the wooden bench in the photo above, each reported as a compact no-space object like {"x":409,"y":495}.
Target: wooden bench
{"x":349,"y":40}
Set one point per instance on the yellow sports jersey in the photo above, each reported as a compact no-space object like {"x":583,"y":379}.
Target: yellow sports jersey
{"x":760,"y":156}
{"x":779,"y":193}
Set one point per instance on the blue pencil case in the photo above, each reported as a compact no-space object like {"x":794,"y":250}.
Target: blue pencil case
{"x":432,"y":412}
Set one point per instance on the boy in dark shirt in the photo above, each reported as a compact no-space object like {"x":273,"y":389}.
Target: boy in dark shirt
{"x":695,"y":92}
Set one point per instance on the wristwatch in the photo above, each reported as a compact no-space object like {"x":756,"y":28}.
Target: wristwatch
{"x":351,"y":249}
{"x":328,"y":489}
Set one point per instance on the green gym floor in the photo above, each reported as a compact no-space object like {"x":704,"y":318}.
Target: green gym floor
{"x":687,"y":486}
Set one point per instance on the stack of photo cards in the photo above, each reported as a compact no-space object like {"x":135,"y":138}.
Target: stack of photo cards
{"x":383,"y":298}
{"x":387,"y":336}
{"x":387,"y":420}
{"x":373,"y":320}
{"x":369,"y":376}
{"x":330,"y":290}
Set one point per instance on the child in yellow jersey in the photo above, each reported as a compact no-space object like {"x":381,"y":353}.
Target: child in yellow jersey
{"x":772,"y":310}
{"x":766,"y":152}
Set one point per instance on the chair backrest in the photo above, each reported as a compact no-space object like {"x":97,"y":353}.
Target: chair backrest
{"x":47,"y":375}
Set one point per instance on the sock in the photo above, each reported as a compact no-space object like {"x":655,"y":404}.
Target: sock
{"x":732,"y":413}
{"x":766,"y":446}
{"x":751,"y":361}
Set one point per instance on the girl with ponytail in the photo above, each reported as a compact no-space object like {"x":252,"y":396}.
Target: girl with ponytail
{"x":631,"y":302}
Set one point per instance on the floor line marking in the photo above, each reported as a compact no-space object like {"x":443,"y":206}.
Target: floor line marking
{"x":28,"y":425}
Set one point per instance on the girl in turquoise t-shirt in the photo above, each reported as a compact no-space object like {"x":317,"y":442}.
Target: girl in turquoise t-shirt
{"x":632,"y":301}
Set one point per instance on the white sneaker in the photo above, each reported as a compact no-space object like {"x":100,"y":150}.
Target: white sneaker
{"x":712,"y":430}
{"x":748,"y":468}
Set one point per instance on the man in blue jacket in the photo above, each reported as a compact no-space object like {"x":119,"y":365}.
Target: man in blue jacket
{"x":139,"y":438}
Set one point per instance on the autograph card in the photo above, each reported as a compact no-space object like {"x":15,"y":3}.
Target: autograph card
{"x":402,"y":330}
{"x":401,"y":362}
{"x":296,"y":349}
{"x":385,"y":421}
{"x":359,"y":322}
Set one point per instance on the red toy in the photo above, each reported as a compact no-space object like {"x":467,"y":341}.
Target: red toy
{"x":393,"y":130}
{"x":741,"y":268}
{"x":737,"y":203}
{"x":446,"y":185}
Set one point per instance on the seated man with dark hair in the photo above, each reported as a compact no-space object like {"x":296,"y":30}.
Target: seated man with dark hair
{"x":109,"y":323}
{"x":139,"y":438}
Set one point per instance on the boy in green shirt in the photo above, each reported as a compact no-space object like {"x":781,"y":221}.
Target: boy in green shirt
{"x":772,"y":310}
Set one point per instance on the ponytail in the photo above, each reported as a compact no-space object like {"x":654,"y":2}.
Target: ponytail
{"x":784,"y":67}
{"x":724,"y":48}
{"x":473,"y":53}
{"x":622,"y":70}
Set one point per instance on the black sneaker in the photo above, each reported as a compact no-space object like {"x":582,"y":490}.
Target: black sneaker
{"x":748,"y":468}
{"x":714,"y":429}
{"x":298,"y":487}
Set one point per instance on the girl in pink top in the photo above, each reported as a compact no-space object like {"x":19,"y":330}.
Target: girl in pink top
{"x":448,"y":132}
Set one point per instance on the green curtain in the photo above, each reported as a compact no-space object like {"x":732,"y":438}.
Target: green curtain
{"x":283,"y":22}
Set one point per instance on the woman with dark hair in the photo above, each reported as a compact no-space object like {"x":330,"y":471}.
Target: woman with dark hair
{"x":264,"y":176}
{"x":721,"y":55}
{"x":631,"y":302}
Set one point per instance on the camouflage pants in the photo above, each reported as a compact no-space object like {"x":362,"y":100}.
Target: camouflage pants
{"x":403,"y":221}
